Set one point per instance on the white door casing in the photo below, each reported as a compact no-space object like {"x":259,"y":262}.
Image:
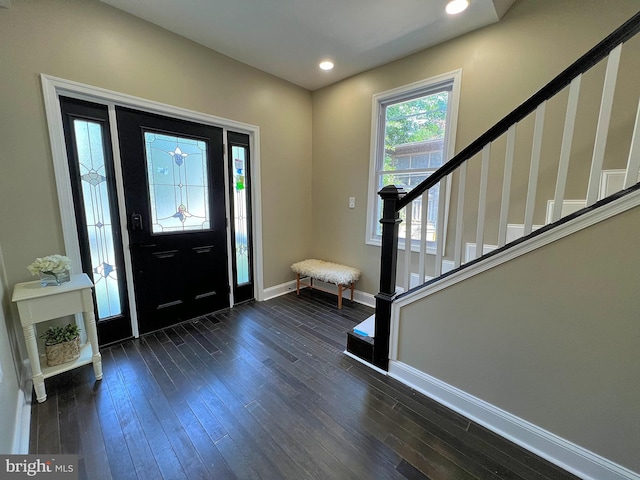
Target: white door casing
{"x":54,"y":87}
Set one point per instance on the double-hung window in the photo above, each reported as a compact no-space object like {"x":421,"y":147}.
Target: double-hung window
{"x":413,"y":134}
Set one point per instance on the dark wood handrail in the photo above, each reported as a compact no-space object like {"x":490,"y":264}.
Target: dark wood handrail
{"x":580,"y":66}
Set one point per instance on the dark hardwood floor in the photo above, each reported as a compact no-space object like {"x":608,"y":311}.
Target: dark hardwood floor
{"x":262,"y":391}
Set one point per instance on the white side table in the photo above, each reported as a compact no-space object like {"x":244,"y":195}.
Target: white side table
{"x":37,"y":304}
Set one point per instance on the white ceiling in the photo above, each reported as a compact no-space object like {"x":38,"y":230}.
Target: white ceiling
{"x":288,"y":38}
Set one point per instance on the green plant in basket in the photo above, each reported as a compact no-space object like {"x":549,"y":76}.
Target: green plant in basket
{"x":60,"y":334}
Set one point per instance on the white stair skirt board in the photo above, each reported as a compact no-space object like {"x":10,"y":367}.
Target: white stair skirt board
{"x":568,"y":207}
{"x":561,"y":452}
{"x":514,"y":232}
{"x":414,"y":281}
{"x":470,"y":248}
{"x":366,"y":328}
{"x":363,"y":298}
{"x":612,"y":181}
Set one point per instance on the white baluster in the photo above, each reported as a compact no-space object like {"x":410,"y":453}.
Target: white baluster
{"x":462,"y":180}
{"x":604,"y":119}
{"x":506,"y":185}
{"x":536,"y":151}
{"x":565,"y":150}
{"x":407,"y":247}
{"x":482,"y":199}
{"x":423,"y":237}
{"x":440,"y":234}
{"x":633,"y":164}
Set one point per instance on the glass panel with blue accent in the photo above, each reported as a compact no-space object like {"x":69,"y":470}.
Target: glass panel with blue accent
{"x":240,"y":217}
{"x":95,"y":197}
{"x":178,"y":183}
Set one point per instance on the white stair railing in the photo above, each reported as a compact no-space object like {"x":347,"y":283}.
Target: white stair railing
{"x":425,"y":259}
{"x":452,"y":234}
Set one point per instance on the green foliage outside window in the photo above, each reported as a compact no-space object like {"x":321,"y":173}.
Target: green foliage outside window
{"x":415,"y":121}
{"x":418,"y":120}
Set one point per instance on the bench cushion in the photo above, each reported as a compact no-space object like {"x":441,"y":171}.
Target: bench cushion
{"x":327,"y":271}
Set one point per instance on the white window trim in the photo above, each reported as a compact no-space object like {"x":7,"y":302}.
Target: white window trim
{"x":382,"y":98}
{"x":53,"y":88}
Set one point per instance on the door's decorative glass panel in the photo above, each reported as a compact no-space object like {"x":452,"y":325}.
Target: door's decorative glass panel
{"x":95,"y":198}
{"x":178,"y":183}
{"x":240,"y":218}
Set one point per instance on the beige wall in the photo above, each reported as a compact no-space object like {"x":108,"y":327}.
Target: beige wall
{"x":92,"y":43}
{"x":551,"y":337}
{"x":502,"y":65}
{"x":305,"y":210}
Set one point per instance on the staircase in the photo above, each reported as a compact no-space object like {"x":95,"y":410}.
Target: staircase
{"x":562,"y":190}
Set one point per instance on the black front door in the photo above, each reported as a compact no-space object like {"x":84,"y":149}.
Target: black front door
{"x":173,"y":175}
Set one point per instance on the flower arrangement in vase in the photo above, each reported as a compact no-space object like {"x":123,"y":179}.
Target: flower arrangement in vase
{"x":52,"y":269}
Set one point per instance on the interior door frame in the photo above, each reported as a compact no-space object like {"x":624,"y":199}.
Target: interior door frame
{"x":54,"y":87}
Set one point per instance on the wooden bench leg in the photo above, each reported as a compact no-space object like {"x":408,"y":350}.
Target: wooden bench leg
{"x":341,"y":288}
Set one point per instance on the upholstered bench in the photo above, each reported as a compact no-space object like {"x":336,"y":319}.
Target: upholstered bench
{"x":340,"y":275}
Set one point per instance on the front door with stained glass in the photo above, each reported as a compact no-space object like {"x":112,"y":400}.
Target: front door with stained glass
{"x":173,"y":175}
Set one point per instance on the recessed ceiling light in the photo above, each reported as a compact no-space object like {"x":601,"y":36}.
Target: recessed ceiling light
{"x":456,"y":6}
{"x":326,"y":65}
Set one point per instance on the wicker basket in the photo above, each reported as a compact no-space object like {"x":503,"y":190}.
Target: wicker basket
{"x":62,"y":352}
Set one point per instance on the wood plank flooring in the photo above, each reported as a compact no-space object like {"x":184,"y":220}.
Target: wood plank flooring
{"x":262,"y":391}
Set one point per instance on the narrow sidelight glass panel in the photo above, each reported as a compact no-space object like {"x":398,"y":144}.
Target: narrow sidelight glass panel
{"x":240,"y":217}
{"x":178,"y":183}
{"x":95,"y":198}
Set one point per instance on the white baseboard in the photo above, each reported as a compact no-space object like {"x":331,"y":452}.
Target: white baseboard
{"x":22,"y":428}
{"x":363,"y":298}
{"x":561,"y":452}
{"x":282,"y":289}
{"x":372,"y":367}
